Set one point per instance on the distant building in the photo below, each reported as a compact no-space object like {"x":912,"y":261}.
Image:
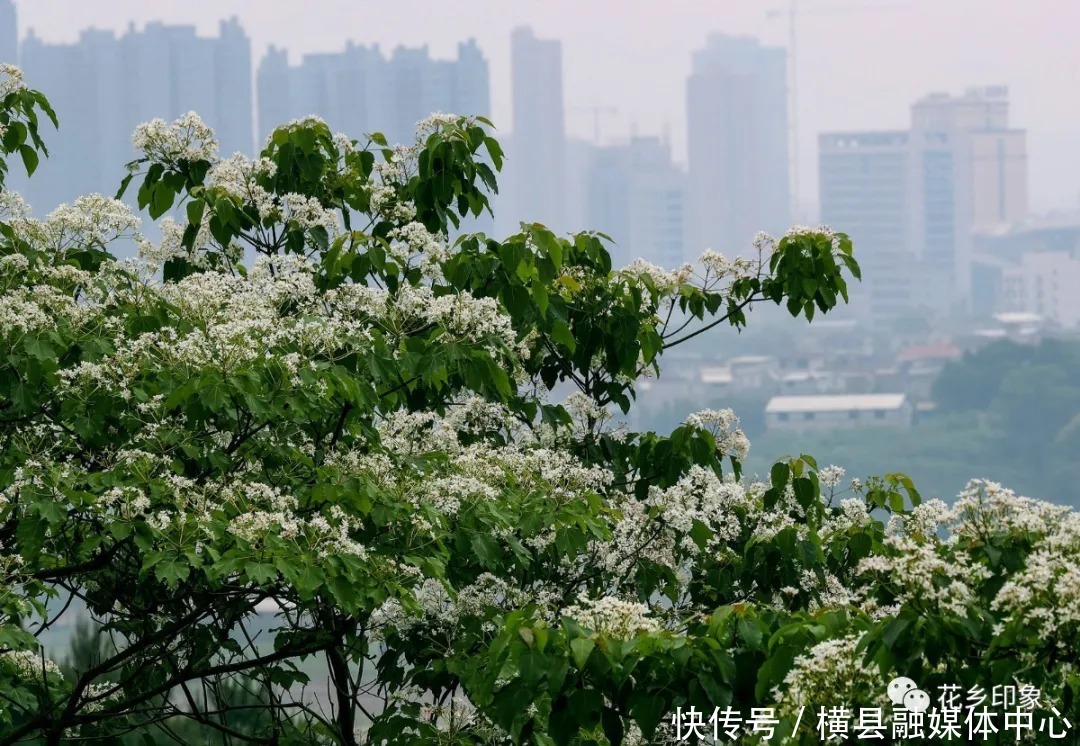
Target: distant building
{"x":1031,"y":266}
{"x":537,"y":173}
{"x":637,"y":196}
{"x":360,"y":90}
{"x":104,"y":85}
{"x":1045,"y":283}
{"x":9,"y":33}
{"x":918,"y":367}
{"x":1020,"y":327}
{"x":578,"y":214}
{"x":810,"y":382}
{"x":931,"y":355}
{"x":737,"y":138}
{"x":975,"y":174}
{"x":911,"y":200}
{"x":826,"y":412}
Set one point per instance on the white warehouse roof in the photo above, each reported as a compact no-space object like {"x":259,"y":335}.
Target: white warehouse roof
{"x":840,"y":403}
{"x":716,"y":375}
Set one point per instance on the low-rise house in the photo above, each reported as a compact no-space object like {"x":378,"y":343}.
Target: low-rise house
{"x":809,"y":382}
{"x":716,"y":378}
{"x":829,"y":412}
{"x":752,"y":372}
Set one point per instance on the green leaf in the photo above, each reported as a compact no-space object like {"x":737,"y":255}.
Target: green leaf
{"x":540,"y":296}
{"x":172,"y":572}
{"x":195,"y":210}
{"x":29,"y":159}
{"x":894,"y":629}
{"x":859,"y":546}
{"x":779,"y":474}
{"x":561,"y":333}
{"x":486,"y":550}
{"x":613,"y":726}
{"x":750,"y":632}
{"x":581,"y":649}
{"x":548,"y":244}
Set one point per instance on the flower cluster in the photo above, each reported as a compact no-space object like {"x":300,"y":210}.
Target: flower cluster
{"x":925,"y":574}
{"x":613,"y":617}
{"x":1045,"y":594}
{"x":29,"y":666}
{"x":91,"y":221}
{"x":723,"y":425}
{"x":437,"y":122}
{"x":186,"y":139}
{"x":830,"y":673}
{"x":414,"y":240}
{"x":11,"y":79}
{"x":667,"y":282}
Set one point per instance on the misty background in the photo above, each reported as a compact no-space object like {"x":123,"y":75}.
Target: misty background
{"x":938,"y":133}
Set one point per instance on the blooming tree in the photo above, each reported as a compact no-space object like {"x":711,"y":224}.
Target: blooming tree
{"x":306,"y":403}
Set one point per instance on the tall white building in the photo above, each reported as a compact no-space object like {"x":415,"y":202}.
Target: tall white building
{"x":1031,"y":266}
{"x":536,"y":166}
{"x":1044,"y":283}
{"x":911,"y":200}
{"x":737,"y":137}
{"x":867,"y":192}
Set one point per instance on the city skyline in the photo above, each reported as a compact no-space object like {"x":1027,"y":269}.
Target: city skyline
{"x":360,"y":89}
{"x":106,"y":84}
{"x":912,"y":199}
{"x":857,"y":70}
{"x":449,"y":93}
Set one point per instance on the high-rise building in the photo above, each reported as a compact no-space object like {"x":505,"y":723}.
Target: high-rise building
{"x":737,"y":138}
{"x":359,"y":91}
{"x":910,"y":200}
{"x":974,"y":170}
{"x":868,"y":190}
{"x":104,"y":85}
{"x":349,"y":89}
{"x":9,"y":33}
{"x":637,"y":197}
{"x":578,"y":165}
{"x":537,"y":161}
{"x":84,"y":156}
{"x":233,"y":94}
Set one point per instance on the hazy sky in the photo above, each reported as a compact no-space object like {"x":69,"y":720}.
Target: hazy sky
{"x":861,"y":62}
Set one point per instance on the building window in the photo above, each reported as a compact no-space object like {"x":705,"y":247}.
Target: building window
{"x":808,"y":416}
{"x":783,"y":417}
{"x":879,"y":414}
{"x":853,"y":414}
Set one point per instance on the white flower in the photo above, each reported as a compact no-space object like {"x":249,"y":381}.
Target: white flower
{"x":613,"y":617}
{"x":13,"y":208}
{"x":434,"y":123}
{"x":722,"y":424}
{"x":11,"y":79}
{"x":186,"y":139}
{"x":29,"y":665}
{"x":832,"y":672}
{"x":830,"y":476}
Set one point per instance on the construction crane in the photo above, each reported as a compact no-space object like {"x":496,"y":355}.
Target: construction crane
{"x":597,"y":111}
{"x":792,"y":13}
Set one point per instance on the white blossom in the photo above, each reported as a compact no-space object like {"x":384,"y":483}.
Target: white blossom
{"x":186,"y":139}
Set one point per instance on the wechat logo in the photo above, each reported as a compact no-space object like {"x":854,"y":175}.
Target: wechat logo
{"x":903,"y":692}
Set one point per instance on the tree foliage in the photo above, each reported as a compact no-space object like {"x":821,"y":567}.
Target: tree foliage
{"x":353,"y":433}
